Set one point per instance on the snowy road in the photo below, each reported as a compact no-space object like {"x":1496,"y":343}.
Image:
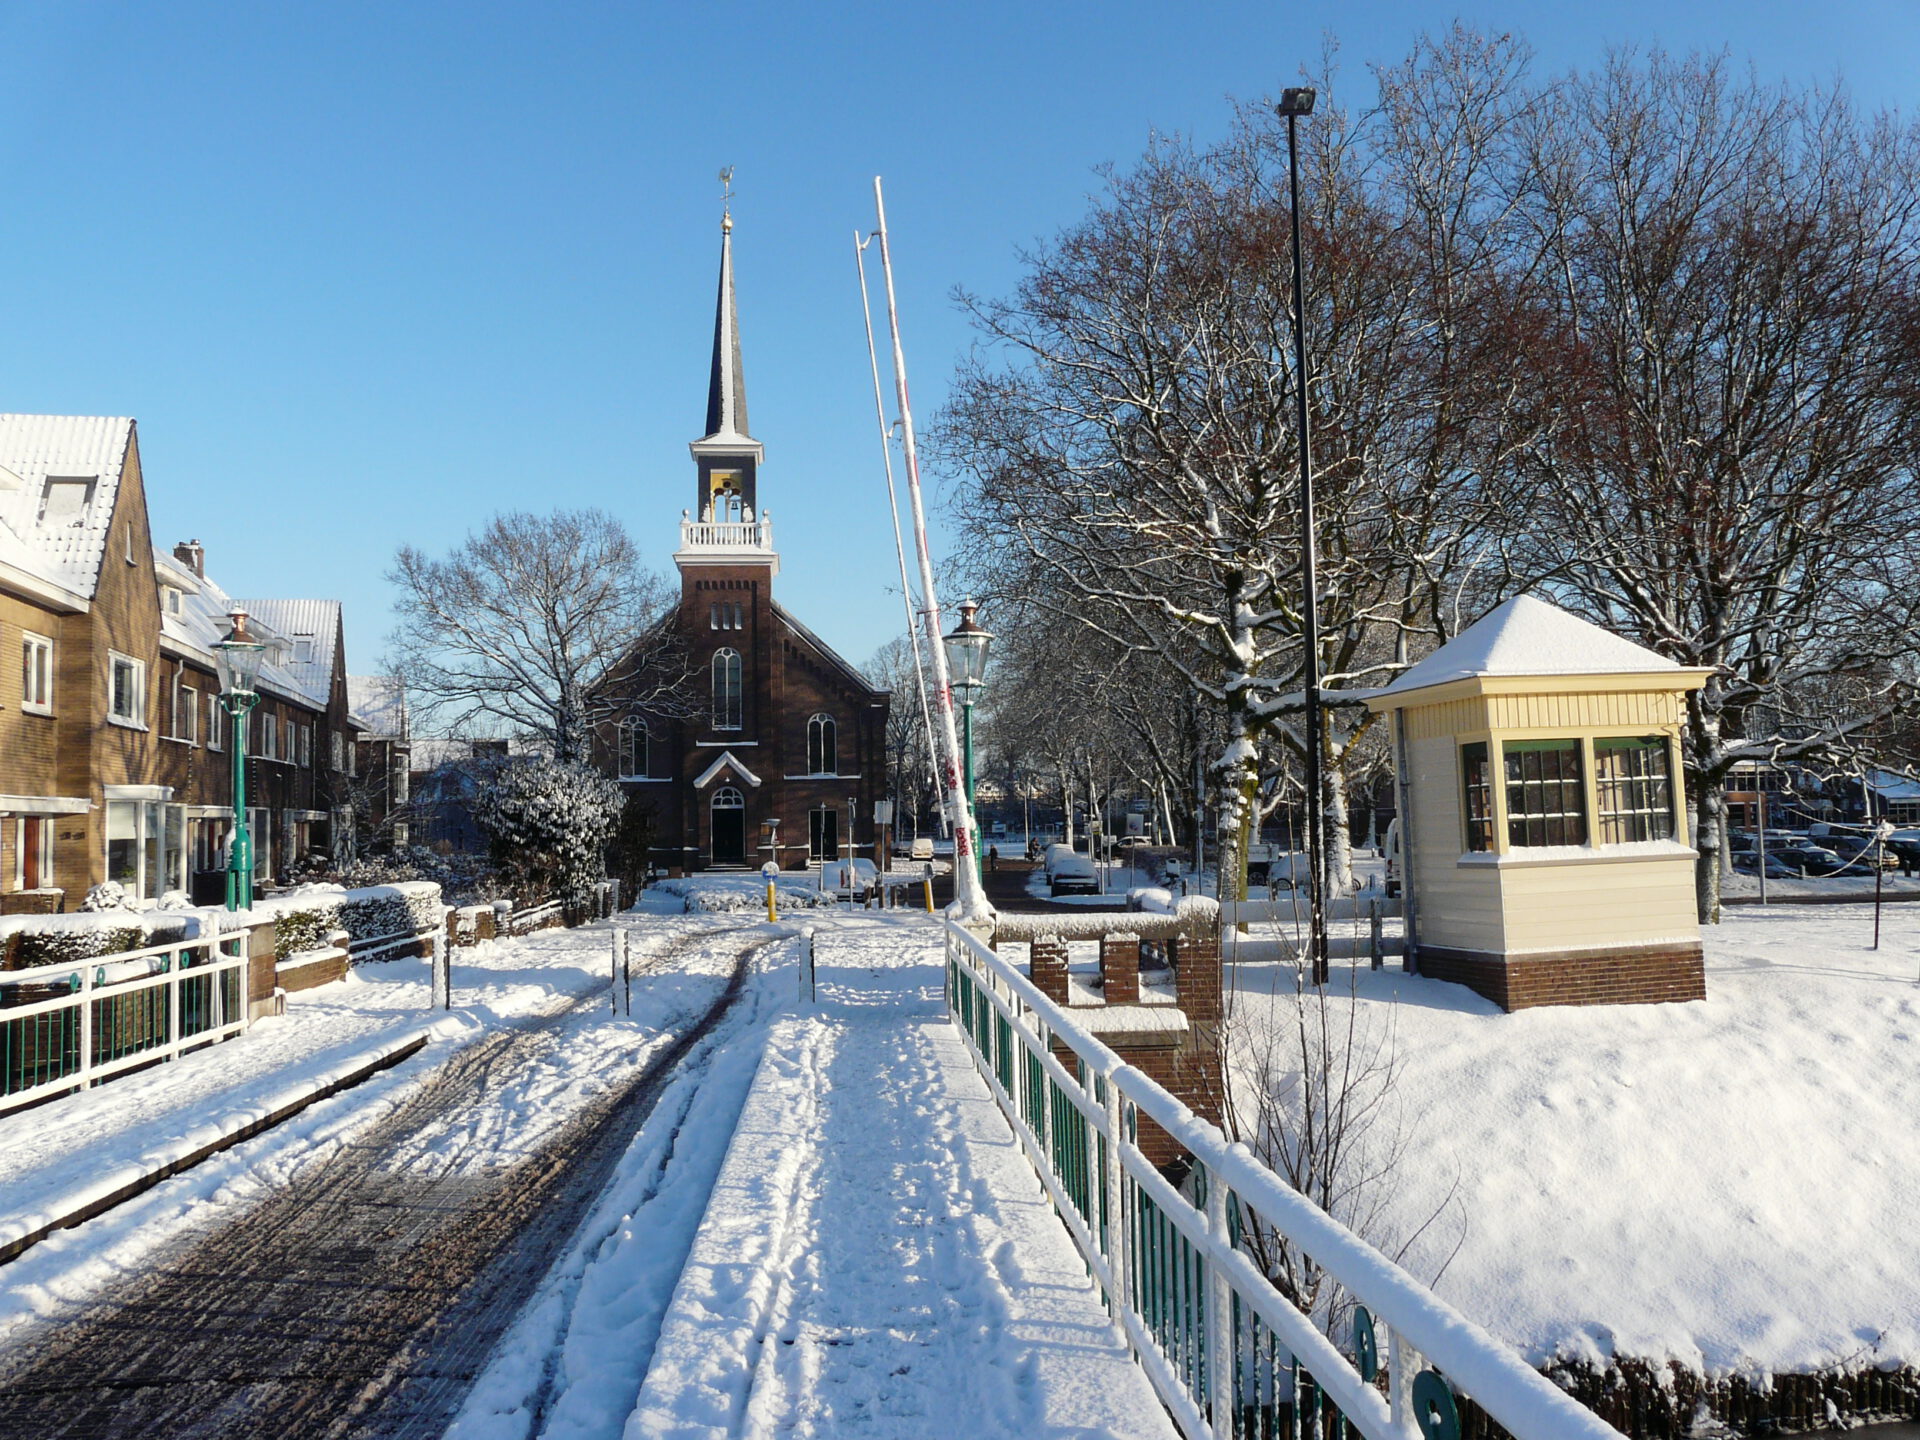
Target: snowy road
{"x":361,"y":1296}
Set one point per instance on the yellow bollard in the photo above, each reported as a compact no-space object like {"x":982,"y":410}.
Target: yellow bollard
{"x":770,"y":870}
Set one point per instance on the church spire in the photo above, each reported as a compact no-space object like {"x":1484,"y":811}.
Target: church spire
{"x":727,"y":384}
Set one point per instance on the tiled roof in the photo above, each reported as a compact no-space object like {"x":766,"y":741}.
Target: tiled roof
{"x":66,"y":548}
{"x":202,"y":620}
{"x":381,"y":701}
{"x":314,"y":621}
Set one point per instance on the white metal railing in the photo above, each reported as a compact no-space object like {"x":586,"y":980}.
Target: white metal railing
{"x":1227,"y":1353}
{"x":69,"y":1025}
{"x":727,"y":534}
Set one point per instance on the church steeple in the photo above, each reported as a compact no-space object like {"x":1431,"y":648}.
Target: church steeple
{"x":727,"y":384}
{"x":727,"y":456}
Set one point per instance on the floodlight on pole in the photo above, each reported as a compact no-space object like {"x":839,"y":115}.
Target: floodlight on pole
{"x":1296,"y":102}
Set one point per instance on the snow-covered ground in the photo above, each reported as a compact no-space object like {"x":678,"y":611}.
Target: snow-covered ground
{"x":71,"y":1146}
{"x":1733,"y":1183}
{"x":877,"y":1257}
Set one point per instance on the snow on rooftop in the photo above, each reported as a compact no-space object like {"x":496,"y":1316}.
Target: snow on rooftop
{"x":380,"y":700}
{"x":310,"y":628}
{"x":1529,"y":636}
{"x":63,"y":477}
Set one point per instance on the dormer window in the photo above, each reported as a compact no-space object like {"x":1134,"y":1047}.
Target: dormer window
{"x":171,"y":599}
{"x":65,"y":500}
{"x":303,"y":649}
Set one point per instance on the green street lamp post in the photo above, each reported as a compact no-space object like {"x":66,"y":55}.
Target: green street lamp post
{"x":967,"y":645}
{"x":239,"y":657}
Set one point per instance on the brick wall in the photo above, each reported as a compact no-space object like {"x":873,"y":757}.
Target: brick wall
{"x":1048,"y":968}
{"x":1638,"y":976}
{"x":1120,"y":969}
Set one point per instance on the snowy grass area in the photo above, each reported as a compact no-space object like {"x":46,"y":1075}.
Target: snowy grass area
{"x":732,"y":894}
{"x":79,"y":1143}
{"x":1732,"y":1184}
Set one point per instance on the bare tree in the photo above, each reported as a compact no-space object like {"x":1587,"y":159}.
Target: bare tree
{"x":545,"y":625}
{"x":1137,"y":451}
{"x":1725,"y":468}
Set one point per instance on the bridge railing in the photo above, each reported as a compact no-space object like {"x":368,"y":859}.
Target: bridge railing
{"x":1228,"y":1354}
{"x":64,"y":1026}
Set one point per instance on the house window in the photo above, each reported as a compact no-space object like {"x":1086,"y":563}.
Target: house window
{"x":339,"y":760}
{"x":726,"y":690}
{"x":633,"y":756}
{"x":306,"y":746}
{"x":65,"y":500}
{"x":171,"y":599}
{"x":303,"y":649}
{"x":186,"y":710}
{"x":126,"y":690}
{"x":36,"y":673}
{"x":268,"y":739}
{"x":1634,"y":778}
{"x":146,"y":846}
{"x":821,"y":759}
{"x":1479,"y":795}
{"x":215,"y":728}
{"x":1546,"y":802}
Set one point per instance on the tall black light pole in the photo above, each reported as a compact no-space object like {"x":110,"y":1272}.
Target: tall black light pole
{"x":1295,"y":103}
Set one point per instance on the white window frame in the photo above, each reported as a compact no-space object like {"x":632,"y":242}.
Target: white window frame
{"x":823,"y":745}
{"x":36,"y":647}
{"x":186,"y":709}
{"x":729,"y":710}
{"x":306,"y":746}
{"x":339,"y":760}
{"x":267,"y":736}
{"x":633,"y":743}
{"x":215,"y":730}
{"x":137,"y":690}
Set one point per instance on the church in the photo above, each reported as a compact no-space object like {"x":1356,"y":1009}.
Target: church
{"x":782,"y":752}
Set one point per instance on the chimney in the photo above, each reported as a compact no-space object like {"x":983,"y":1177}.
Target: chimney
{"x":193,"y":555}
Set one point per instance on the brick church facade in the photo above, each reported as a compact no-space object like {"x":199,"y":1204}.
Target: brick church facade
{"x":781,"y":728}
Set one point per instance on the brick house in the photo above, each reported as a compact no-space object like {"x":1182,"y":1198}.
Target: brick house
{"x":113,"y":746}
{"x":786,"y":730}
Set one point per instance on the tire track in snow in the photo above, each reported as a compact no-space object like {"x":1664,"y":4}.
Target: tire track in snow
{"x":361,"y":1299}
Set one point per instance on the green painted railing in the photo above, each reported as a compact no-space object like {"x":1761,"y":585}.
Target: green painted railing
{"x":1229,"y":1356}
{"x":67,"y":1026}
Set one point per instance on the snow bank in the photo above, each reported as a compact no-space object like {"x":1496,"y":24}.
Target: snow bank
{"x":1732,"y":1184}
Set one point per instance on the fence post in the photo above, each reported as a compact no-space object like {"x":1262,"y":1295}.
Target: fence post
{"x":1377,"y":951}
{"x":442,"y":968}
{"x":1219,"y":1315}
{"x":1117,"y":1258}
{"x":626,"y":967}
{"x":85,"y":1073}
{"x":1402,"y":1361}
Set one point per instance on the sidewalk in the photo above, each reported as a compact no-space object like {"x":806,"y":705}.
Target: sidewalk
{"x":877,"y":1256}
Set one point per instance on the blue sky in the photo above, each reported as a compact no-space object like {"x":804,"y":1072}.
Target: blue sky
{"x":367,"y":273}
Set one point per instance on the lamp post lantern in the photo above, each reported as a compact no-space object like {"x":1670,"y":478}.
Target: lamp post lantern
{"x":1296,"y":102}
{"x":239,"y":658}
{"x":967,"y":645}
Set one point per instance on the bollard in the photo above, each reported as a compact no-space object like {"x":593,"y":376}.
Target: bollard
{"x":613,"y":971}
{"x":442,"y":970}
{"x":626,"y":968}
{"x":1377,"y":951}
{"x":928,"y":883}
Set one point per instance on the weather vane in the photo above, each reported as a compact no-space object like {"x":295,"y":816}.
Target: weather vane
{"x":726,"y":179}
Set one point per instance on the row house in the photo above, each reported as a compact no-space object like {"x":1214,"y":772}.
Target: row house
{"x":115,"y":753}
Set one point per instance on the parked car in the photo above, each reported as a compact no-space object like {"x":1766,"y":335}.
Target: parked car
{"x":1070,"y":873}
{"x":1809,"y":859}
{"x":1777,"y":869}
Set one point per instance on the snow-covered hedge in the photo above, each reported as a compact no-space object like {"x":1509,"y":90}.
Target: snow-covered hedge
{"x":29,"y":941}
{"x":736,"y":897}
{"x":305,"y":918}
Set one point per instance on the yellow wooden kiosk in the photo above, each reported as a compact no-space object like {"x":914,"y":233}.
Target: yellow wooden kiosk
{"x":1543,"y":824}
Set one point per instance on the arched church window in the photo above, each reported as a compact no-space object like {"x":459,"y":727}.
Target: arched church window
{"x":633,"y":757}
{"x":726,"y":690}
{"x":822,"y":758}
{"x":728,"y":798}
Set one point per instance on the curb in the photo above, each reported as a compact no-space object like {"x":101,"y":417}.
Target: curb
{"x":96,"y":1199}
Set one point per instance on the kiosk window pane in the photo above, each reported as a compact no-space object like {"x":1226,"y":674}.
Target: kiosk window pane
{"x":1634,"y":777}
{"x":1546,"y":804}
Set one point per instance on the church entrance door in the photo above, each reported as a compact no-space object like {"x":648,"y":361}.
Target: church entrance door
{"x":729,"y":827}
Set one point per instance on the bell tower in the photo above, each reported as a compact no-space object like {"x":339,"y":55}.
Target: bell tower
{"x":726,"y":458}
